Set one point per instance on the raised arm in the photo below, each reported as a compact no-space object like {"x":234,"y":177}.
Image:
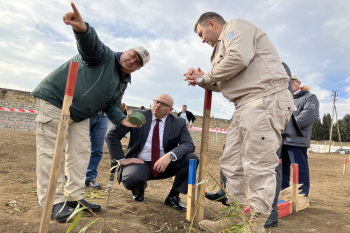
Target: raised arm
{"x":91,"y":49}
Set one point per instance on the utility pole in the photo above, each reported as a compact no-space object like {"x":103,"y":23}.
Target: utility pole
{"x":330,"y":135}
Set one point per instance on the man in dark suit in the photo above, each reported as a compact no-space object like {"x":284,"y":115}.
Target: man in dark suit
{"x":160,"y":149}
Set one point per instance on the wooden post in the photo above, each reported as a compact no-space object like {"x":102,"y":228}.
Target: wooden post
{"x":336,"y":117}
{"x":295,"y":186}
{"x":14,"y":126}
{"x":330,"y":133}
{"x":203,"y":154}
{"x":191,"y":204}
{"x":344,"y":169}
{"x":59,"y":146}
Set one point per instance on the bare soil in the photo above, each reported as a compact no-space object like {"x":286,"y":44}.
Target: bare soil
{"x":19,"y":210}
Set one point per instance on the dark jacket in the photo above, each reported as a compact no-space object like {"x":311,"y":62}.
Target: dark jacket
{"x":189,"y":115}
{"x":307,"y":112}
{"x":176,"y":138}
{"x":100,"y":84}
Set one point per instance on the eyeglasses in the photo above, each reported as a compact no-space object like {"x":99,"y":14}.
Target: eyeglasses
{"x":135,"y":57}
{"x":161,"y":103}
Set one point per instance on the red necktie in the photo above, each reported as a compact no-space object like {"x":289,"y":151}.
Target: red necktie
{"x":155,"y":148}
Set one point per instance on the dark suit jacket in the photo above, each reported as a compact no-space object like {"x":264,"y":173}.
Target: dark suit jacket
{"x":176,"y":138}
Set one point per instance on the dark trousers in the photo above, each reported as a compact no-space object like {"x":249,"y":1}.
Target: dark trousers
{"x":134,"y":176}
{"x":290,"y":155}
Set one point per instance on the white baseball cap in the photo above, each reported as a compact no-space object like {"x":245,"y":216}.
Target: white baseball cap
{"x":294,"y":77}
{"x":144,"y":54}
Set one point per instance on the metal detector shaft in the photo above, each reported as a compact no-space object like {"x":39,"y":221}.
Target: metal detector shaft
{"x":114,"y":163}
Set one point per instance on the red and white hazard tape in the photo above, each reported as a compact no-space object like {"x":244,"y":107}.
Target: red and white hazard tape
{"x":17,"y":122}
{"x":211,"y":130}
{"x":17,"y":110}
{"x":195,"y":129}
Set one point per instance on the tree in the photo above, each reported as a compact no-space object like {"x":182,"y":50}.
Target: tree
{"x":317,"y":130}
{"x":326,"y":125}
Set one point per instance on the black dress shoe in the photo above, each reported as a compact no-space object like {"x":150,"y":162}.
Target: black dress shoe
{"x":92,"y":184}
{"x":175,"y":202}
{"x":92,"y":206}
{"x":272,"y":220}
{"x":217,"y":195}
{"x":139,"y":195}
{"x":61,"y":215}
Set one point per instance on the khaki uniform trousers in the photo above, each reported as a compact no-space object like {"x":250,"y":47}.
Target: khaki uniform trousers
{"x":77,"y":152}
{"x":249,"y":158}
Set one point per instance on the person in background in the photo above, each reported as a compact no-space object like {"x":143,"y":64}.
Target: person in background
{"x":143,"y":108}
{"x":98,"y":129}
{"x":124,"y":109}
{"x":187,"y":115}
{"x":294,"y":149}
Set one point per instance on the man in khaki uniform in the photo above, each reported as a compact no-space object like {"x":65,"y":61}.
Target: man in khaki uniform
{"x":247,"y":70}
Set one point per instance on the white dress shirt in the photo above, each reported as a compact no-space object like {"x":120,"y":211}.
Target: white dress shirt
{"x":146,"y":152}
{"x":184,"y":116}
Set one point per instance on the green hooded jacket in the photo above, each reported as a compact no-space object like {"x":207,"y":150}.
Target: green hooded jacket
{"x":100,"y":83}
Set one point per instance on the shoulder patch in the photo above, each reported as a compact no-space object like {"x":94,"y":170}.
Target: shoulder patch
{"x":312,"y":106}
{"x":231,"y":35}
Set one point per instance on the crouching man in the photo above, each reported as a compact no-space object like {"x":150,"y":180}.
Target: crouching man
{"x":160,"y":149}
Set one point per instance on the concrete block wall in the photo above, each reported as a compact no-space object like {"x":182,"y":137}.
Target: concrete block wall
{"x":23,"y":100}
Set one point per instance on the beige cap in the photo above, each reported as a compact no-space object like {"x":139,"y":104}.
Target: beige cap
{"x":294,"y":77}
{"x":144,"y":54}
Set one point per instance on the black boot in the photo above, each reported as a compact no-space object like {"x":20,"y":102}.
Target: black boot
{"x":61,"y":215}
{"x":272,"y":220}
{"x":92,"y":206}
{"x":217,"y":195}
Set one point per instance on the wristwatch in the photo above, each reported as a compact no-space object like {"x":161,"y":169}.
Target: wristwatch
{"x":200,"y":80}
{"x":172,"y":156}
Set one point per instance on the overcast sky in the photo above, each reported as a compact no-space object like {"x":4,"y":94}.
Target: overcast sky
{"x":312,"y":37}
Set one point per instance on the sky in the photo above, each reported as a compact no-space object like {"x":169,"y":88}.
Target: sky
{"x":311,"y":36}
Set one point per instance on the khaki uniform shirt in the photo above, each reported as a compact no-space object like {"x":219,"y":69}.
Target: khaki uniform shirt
{"x":246,"y":66}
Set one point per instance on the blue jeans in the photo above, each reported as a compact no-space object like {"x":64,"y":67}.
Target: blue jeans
{"x":290,"y":155}
{"x":98,"y":130}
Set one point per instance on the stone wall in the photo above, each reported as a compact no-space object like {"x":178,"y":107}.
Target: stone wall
{"x":23,"y":100}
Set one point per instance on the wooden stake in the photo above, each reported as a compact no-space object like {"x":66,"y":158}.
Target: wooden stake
{"x":203,"y":154}
{"x":191,"y":204}
{"x":330,"y":133}
{"x":336,"y":117}
{"x":344,"y":169}
{"x":59,"y":146}
{"x":295,"y":186}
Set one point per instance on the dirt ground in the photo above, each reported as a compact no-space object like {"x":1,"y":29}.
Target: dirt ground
{"x":19,"y":210}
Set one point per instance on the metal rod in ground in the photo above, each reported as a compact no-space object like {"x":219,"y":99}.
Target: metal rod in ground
{"x":60,"y":142}
{"x":344,"y":169}
{"x":203,"y":154}
{"x":114,"y":163}
{"x":191,"y":205}
{"x":295,"y":186}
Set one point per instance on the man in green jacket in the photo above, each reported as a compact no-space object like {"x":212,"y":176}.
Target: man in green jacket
{"x":102,"y":78}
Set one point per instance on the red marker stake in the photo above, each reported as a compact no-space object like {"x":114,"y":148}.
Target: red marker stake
{"x":344,"y":169}
{"x":295,"y":186}
{"x":203,"y":154}
{"x":59,"y":146}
